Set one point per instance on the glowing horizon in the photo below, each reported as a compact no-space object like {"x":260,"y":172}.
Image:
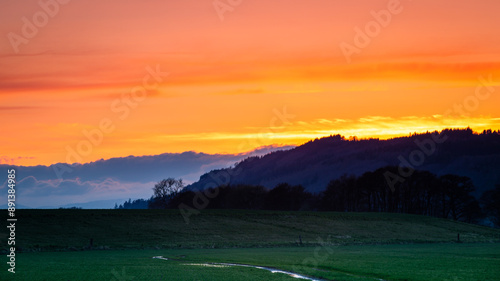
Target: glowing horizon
{"x":263,"y":74}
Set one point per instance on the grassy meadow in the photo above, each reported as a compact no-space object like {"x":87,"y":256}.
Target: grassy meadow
{"x":459,"y":261}
{"x":53,"y":230}
{"x":54,"y":245}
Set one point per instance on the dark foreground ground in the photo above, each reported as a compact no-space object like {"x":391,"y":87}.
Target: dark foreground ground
{"x":55,"y":245}
{"x":56,"y":230}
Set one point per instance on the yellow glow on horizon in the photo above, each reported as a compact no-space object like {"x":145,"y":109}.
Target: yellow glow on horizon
{"x":293,"y":133}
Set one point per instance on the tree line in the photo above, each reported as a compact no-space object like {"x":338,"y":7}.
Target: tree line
{"x":423,"y":193}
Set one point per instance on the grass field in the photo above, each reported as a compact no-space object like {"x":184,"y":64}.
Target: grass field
{"x":355,"y":262}
{"x":336,"y":246}
{"x":124,"y":229}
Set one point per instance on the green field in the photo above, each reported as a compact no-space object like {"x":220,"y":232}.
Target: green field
{"x":139,"y":229}
{"x":335,"y":246}
{"x":355,"y":262}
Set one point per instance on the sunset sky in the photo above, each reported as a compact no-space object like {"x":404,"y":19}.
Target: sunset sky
{"x":228,"y":79}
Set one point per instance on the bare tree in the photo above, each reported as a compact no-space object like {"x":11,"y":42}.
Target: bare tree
{"x":166,"y":189}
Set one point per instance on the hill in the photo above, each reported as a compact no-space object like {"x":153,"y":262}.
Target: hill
{"x":314,"y":164}
{"x":117,"y":229}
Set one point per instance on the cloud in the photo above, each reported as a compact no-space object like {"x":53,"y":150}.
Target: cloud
{"x":116,"y":178}
{"x":31,"y":186}
{"x":12,"y":160}
{"x":33,"y":192}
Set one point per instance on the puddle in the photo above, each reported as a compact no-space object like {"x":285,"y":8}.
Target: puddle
{"x":207,"y":264}
{"x":160,"y":258}
{"x":272,"y":270}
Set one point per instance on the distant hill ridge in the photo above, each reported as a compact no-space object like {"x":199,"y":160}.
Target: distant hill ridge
{"x":317,"y":162}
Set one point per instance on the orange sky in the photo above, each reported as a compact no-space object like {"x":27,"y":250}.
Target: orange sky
{"x":433,"y":64}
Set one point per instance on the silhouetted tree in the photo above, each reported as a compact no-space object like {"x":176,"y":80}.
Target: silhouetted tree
{"x":491,"y":204}
{"x":165,"y":190}
{"x":246,"y":197}
{"x":136,"y":204}
{"x":340,"y":195}
{"x":420,"y":193}
{"x":185,"y":197}
{"x":455,"y":195}
{"x":286,"y":197}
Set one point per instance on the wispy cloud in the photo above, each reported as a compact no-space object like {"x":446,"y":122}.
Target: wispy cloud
{"x":14,"y":160}
{"x":382,"y":127}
